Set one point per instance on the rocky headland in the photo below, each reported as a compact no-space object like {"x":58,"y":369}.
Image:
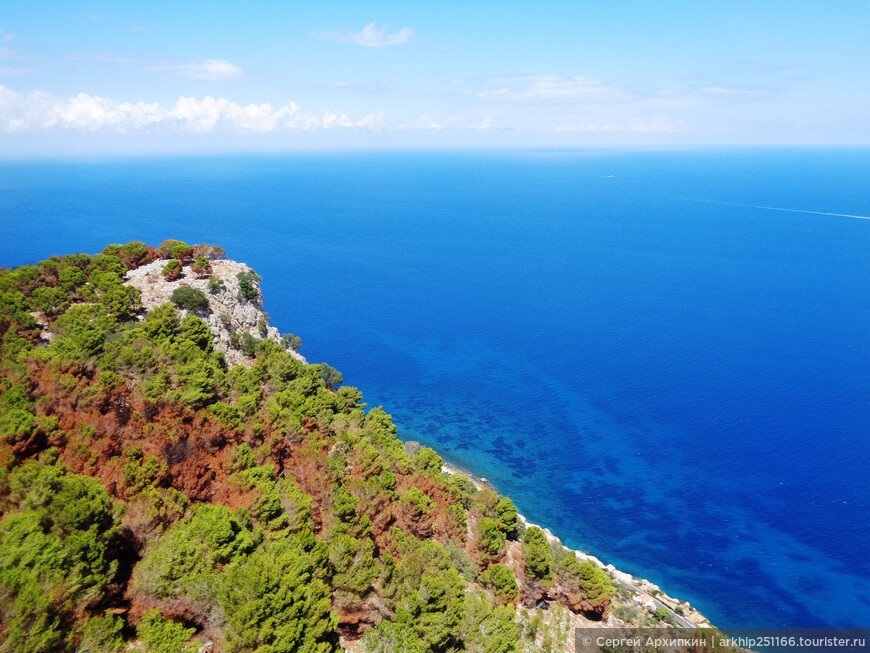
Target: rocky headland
{"x":232,"y":477}
{"x":229,"y":314}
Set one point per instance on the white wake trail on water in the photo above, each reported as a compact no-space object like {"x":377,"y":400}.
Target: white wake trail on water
{"x":775,"y":208}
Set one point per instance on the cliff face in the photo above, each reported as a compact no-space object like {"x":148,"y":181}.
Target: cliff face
{"x":229,"y":314}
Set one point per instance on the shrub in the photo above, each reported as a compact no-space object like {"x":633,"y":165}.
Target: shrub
{"x":490,"y":538}
{"x":587,"y":579}
{"x":352,"y":563}
{"x":103,"y":635}
{"x":419,"y":503}
{"x":190,"y":299}
{"x":274,"y":600}
{"x":55,"y":554}
{"x":226,"y":415}
{"x":48,"y":300}
{"x":184,"y":563}
{"x":344,"y":504}
{"x":134,"y":254}
{"x":501,"y":580}
{"x":140,"y":473}
{"x":387,"y":480}
{"x":201,"y":266}
{"x":121,"y":301}
{"x":426,"y":460}
{"x":172,"y":270}
{"x":215,"y":284}
{"x":108,"y":263}
{"x":208,"y":251}
{"x":536,"y":550}
{"x":173,"y":249}
{"x":195,"y":331}
{"x":248,"y":344}
{"x":461,"y":561}
{"x":71,"y":278}
{"x":247,"y":288}
{"x":82,"y":330}
{"x":434,"y":609}
{"x":507,"y":517}
{"x":331,"y":376}
{"x":242,"y":459}
{"x":493,"y":630}
{"x":162,"y":636}
{"x":290,"y":341}
{"x":664,"y":615}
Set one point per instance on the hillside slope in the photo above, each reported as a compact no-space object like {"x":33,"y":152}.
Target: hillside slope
{"x":174,"y":475}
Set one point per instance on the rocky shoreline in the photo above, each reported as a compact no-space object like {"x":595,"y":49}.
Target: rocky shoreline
{"x":643,"y":593}
{"x":229,"y":315}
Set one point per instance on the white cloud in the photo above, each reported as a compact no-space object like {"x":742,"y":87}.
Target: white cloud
{"x":10,"y":70}
{"x":201,"y":116}
{"x":653,"y":125}
{"x":8,"y":37}
{"x":588,"y":128}
{"x":588,"y":91}
{"x":372,"y":36}
{"x":211,"y":70}
{"x":552,"y":87}
{"x":105,"y":57}
{"x":84,"y":112}
{"x":371,"y":87}
{"x":726,"y":91}
{"x":484,"y":125}
{"x":422,"y":123}
{"x":698,"y":97}
{"x":372,"y":122}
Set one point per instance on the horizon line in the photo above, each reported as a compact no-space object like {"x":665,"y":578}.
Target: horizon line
{"x":411,"y":149}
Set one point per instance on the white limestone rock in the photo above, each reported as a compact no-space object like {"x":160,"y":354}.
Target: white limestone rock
{"x":227,"y":313}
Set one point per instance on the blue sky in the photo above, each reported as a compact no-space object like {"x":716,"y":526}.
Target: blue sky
{"x":117,"y":77}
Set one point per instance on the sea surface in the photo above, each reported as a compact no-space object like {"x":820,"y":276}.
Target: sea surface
{"x":662,"y":356}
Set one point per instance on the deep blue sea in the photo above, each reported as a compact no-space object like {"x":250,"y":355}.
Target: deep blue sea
{"x":646,"y":350}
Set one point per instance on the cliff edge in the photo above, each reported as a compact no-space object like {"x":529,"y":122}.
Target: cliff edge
{"x":230,"y":314}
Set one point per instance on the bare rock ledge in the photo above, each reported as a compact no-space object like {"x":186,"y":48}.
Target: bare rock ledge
{"x":227,"y":312}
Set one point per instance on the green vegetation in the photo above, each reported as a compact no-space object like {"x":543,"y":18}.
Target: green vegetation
{"x":154,"y":498}
{"x":501,"y":580}
{"x":158,"y":635}
{"x":491,"y":539}
{"x":172,"y":270}
{"x":190,"y":299}
{"x":331,"y":377}
{"x":201,"y":266}
{"x":174,"y":249}
{"x":539,"y":561}
{"x":506,"y":515}
{"x":215,"y":284}
{"x":587,"y":580}
{"x":275,"y":601}
{"x":56,"y":546}
{"x":248,"y":289}
{"x":103,"y":635}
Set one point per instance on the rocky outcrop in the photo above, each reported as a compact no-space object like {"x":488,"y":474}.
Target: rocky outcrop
{"x":229,"y":314}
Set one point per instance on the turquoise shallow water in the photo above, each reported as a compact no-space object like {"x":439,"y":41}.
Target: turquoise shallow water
{"x":642,"y":349}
